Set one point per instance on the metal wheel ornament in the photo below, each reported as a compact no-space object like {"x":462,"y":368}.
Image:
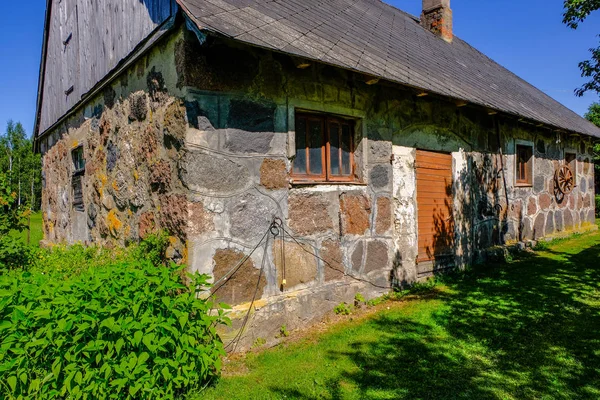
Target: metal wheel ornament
{"x":564,"y":180}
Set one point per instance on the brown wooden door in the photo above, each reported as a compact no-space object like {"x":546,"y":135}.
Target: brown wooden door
{"x":435,"y":206}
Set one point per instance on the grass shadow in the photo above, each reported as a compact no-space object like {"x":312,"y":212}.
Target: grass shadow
{"x":526,"y":330}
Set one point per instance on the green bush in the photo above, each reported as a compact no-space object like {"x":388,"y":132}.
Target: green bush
{"x":75,"y":259}
{"x":342,"y":309}
{"x":597,"y":206}
{"x":128,"y":330}
{"x":13,"y":253}
{"x":153,"y":248}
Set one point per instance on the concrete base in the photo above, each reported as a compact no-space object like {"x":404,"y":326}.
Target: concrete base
{"x":296,"y":310}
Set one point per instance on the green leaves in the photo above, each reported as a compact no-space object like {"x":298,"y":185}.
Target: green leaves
{"x":593,"y":114}
{"x":129,"y":330}
{"x":12,"y":382}
{"x":576,"y":11}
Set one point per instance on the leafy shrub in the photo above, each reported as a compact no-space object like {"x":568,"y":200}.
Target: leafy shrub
{"x":342,"y":309}
{"x":424,"y":287}
{"x":377,"y":300}
{"x":129,"y":330}
{"x":283,"y":331}
{"x":75,"y":259}
{"x":359,"y":300}
{"x":153,"y":248}
{"x":13,"y":253}
{"x":541,"y":245}
{"x":597,"y":206}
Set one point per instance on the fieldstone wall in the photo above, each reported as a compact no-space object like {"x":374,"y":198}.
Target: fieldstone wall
{"x":132,"y":137}
{"x":198,"y":139}
{"x":536,"y":212}
{"x":242,"y":125}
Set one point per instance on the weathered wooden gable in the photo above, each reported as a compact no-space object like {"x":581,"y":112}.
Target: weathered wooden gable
{"x":86,"y":39}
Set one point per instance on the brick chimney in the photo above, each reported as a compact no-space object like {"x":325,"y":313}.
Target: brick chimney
{"x":437,"y":17}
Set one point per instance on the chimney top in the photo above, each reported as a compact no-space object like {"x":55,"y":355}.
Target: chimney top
{"x":437,"y":18}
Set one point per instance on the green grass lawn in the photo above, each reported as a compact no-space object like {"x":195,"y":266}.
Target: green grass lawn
{"x":527,"y":330}
{"x":37,"y":233}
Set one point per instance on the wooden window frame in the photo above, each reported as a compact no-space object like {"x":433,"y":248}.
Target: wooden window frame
{"x":326,"y":176}
{"x":528,"y":181}
{"x":77,"y":179}
{"x":78,"y":150}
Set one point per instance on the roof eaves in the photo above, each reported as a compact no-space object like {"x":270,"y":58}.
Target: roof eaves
{"x":38,"y":110}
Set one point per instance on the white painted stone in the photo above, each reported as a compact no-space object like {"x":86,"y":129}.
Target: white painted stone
{"x":405,"y":212}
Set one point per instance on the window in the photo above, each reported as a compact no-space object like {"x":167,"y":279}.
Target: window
{"x":77,"y":185}
{"x":571,"y":161}
{"x":324,"y":149}
{"x":78,"y":160}
{"x":524,"y":165}
{"x":77,"y":179}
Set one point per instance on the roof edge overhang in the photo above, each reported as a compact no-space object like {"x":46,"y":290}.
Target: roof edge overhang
{"x":144,"y":46}
{"x":40,"y":92}
{"x":189,"y":15}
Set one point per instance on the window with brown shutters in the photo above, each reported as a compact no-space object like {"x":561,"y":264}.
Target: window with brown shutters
{"x":524,"y":173}
{"x":324,"y":149}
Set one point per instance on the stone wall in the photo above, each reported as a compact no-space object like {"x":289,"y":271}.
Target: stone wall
{"x":199,"y":139}
{"x":537,"y":212}
{"x":243,"y":126}
{"x":132,"y":137}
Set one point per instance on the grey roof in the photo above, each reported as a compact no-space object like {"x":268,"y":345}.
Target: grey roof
{"x":375,"y":38}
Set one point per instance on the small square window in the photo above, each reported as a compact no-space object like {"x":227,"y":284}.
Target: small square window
{"x":78,"y":160}
{"x":524,"y":171}
{"x":324,"y":149}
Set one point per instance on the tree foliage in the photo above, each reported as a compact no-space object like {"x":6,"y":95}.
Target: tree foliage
{"x":20,"y":192}
{"x":576,"y":11}
{"x":21,"y":165}
{"x":593,"y":114}
{"x":13,"y":253}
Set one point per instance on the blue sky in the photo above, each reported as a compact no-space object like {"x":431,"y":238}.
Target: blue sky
{"x":526,"y":37}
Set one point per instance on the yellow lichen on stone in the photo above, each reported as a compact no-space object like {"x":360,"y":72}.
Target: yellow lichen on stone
{"x":185,"y":254}
{"x":103,"y":178}
{"x":75,"y":144}
{"x":113,"y":222}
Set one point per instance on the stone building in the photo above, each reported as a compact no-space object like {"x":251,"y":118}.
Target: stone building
{"x":383,"y":147}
